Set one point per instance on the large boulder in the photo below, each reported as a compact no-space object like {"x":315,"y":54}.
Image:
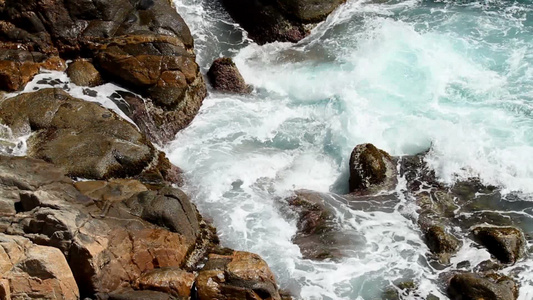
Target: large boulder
{"x":284,"y":20}
{"x":225,"y":77}
{"x":488,"y":287}
{"x":371,"y":169}
{"x":505,"y":243}
{"x":440,"y":242}
{"x":30,"y":271}
{"x":236,"y":276}
{"x":83,"y":73}
{"x":83,"y":138}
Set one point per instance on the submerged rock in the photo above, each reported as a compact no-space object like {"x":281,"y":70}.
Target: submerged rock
{"x":283,"y":21}
{"x":370,"y":167}
{"x":489,"y":287}
{"x":83,"y":73}
{"x":238,"y":275}
{"x":225,"y":77}
{"x":505,"y":243}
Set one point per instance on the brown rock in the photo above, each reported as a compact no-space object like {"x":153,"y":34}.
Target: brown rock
{"x":83,"y":73}
{"x":172,"y":281}
{"x":505,"y":243}
{"x":440,"y":242}
{"x":33,"y":271}
{"x":489,"y":287}
{"x":225,"y":77}
{"x":241,"y":275}
{"x":370,"y":167}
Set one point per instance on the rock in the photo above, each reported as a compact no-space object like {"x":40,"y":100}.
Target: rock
{"x":318,"y":235}
{"x":172,"y":281}
{"x":83,"y":73}
{"x":30,"y":271}
{"x":225,"y":77}
{"x":143,"y":45}
{"x":489,"y":287}
{"x":83,"y":138}
{"x":18,"y":67}
{"x":241,"y":275}
{"x":440,"y":242}
{"x":370,"y":167}
{"x":138,"y":295}
{"x":284,"y":20}
{"x":505,"y":243}
{"x":105,"y":244}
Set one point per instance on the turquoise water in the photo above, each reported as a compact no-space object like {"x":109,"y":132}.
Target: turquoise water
{"x":455,"y":77}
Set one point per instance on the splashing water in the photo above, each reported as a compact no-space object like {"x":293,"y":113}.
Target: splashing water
{"x":406,"y":76}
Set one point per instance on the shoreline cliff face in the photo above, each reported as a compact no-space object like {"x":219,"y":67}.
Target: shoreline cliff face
{"x":127,"y":232}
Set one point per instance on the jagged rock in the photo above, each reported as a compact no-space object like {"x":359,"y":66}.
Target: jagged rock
{"x":174,"y":281}
{"x":440,"y":242}
{"x":284,"y":20}
{"x":225,"y":77}
{"x":505,"y":243}
{"x":489,"y":287}
{"x":144,"y":45}
{"x":30,"y":271}
{"x":106,"y":245}
{"x":240,"y":275}
{"x":83,"y":73}
{"x":83,"y":138}
{"x":370,"y":167}
{"x":317,"y":235}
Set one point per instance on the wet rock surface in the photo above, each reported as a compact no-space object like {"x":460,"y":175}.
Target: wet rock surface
{"x":505,"y":243}
{"x":283,"y":21}
{"x":224,"y":76}
{"x":489,"y":287}
{"x":143,"y":45}
{"x":370,"y":169}
{"x":236,"y":275}
{"x":83,"y":73}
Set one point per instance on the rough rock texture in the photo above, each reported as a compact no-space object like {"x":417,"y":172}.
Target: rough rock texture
{"x":224,"y":76}
{"x":17,"y":67}
{"x":238,"y":275}
{"x":142,"y":44}
{"x":489,"y":287}
{"x":107,"y":246}
{"x":284,"y":20}
{"x":62,"y":127}
{"x":370,"y":167}
{"x":83,"y":73}
{"x":30,"y":271}
{"x":441,"y":243}
{"x":505,"y":243}
{"x":317,"y":235}
{"x":174,"y":281}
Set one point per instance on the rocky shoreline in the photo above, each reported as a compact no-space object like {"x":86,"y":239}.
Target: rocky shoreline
{"x":94,"y":209}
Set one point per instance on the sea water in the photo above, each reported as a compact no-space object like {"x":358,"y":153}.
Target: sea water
{"x":455,"y":77}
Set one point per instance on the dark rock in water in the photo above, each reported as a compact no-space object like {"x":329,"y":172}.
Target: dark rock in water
{"x":159,"y":125}
{"x":505,"y":243}
{"x":318,"y":236}
{"x":284,"y":20}
{"x":224,"y":76}
{"x":489,"y":287}
{"x":440,"y":242}
{"x":369,"y":168}
{"x":83,"y":73}
{"x":238,"y":275}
